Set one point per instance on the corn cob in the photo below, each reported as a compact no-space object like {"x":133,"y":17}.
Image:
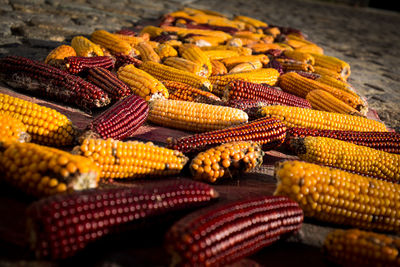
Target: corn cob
{"x":41,"y":78}
{"x":13,"y":129}
{"x":339,"y":197}
{"x":348,"y":156}
{"x":276,"y":65}
{"x":201,"y":40}
{"x":249,"y":35}
{"x":385,"y":141}
{"x":327,"y":72}
{"x":296,"y":84}
{"x":182,"y":91}
{"x":41,"y":171}
{"x":299,"y":56}
{"x":227,"y":232}
{"x":111,"y":42}
{"x":233,"y":61}
{"x":127,"y":32}
{"x":121,"y":120}
{"x":265,"y":75}
{"x":195,"y":54}
{"x":290,"y":65}
{"x":131,"y":159}
{"x":269,"y":133}
{"x":182,"y":32}
{"x":312,"y":48}
{"x":152,"y":30}
{"x":220,"y":54}
{"x":122,"y":60}
{"x":321,"y":120}
{"x":253,"y":22}
{"x":147,"y":52}
{"x":133,"y":41}
{"x":142,"y":83}
{"x":250,"y":106}
{"x":76,"y":65}
{"x":297,"y":41}
{"x":86,"y":48}
{"x":186,"y":65}
{"x":237,"y":90}
{"x":322,"y":100}
{"x":247,"y":66}
{"x":163,"y":72}
{"x":242,"y":51}
{"x":57,"y":55}
{"x":355,"y":247}
{"x":342,"y":85}
{"x":235,"y":42}
{"x":165,"y":51}
{"x":192,"y":116}
{"x":312,"y":76}
{"x":62,"y":225}
{"x":44,"y":125}
{"x":333,"y":63}
{"x":218,"y":68}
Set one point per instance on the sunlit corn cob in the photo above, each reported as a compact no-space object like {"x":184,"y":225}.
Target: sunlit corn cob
{"x":327,"y":72}
{"x":182,"y":32}
{"x":299,"y":56}
{"x":152,"y":30}
{"x":246,"y":90}
{"x":121,"y":120}
{"x":193,"y":116}
{"x":263,"y":48}
{"x":348,"y":156}
{"x":195,"y":54}
{"x":335,"y":196}
{"x":62,"y":225}
{"x":322,"y":100}
{"x":265,"y":75}
{"x":249,"y":35}
{"x":220,"y":54}
{"x":182,"y":91}
{"x":242,"y":51}
{"x":111,"y":42}
{"x":247,"y":66}
{"x":45,"y":125}
{"x":290,"y":65}
{"x":269,"y":133}
{"x":331,"y":81}
{"x":252,"y":21}
{"x":385,"y":141}
{"x":131,"y":159}
{"x":309,"y":75}
{"x":200,"y":40}
{"x":233,"y":61}
{"x":355,"y":247}
{"x":228,"y":232}
{"x":133,"y":41}
{"x":86,"y":48}
{"x":218,"y":68}
{"x":43,"y":79}
{"x":333,"y":63}
{"x":57,"y":55}
{"x":142,"y":83}
{"x":226,"y":161}
{"x":122,"y":60}
{"x":41,"y":171}
{"x":312,"y":48}
{"x":147,"y":52}
{"x":12,"y":129}
{"x":296,"y":84}
{"x":76,"y":65}
{"x":186,"y":65}
{"x":163,"y":72}
{"x":321,"y":120}
{"x":296,"y":41}
{"x":165,"y":51}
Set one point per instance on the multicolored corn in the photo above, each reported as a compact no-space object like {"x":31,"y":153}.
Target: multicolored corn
{"x":131,"y":159}
{"x":269,"y":133}
{"x":122,"y":60}
{"x":86,"y":48}
{"x":348,"y":156}
{"x":12,"y":129}
{"x":193,"y":116}
{"x":121,"y":120}
{"x":35,"y":76}
{"x":57,"y":55}
{"x":385,"y":141}
{"x":339,"y":197}
{"x":355,"y":247}
{"x":112,"y":43}
{"x":76,"y":65}
{"x":41,"y":171}
{"x":250,"y":106}
{"x":62,"y":225}
{"x":227,"y":232}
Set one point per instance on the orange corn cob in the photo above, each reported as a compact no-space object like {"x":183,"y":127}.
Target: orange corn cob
{"x":186,"y":65}
{"x":218,"y":68}
{"x":195,"y":54}
{"x":57,"y":55}
{"x":152,"y":31}
{"x":342,"y":85}
{"x":333,"y":63}
{"x":251,"y":21}
{"x":112,"y":42}
{"x":247,"y":66}
{"x":220,"y":54}
{"x":85,"y":48}
{"x":165,"y":50}
{"x":294,"y":65}
{"x":299,"y":56}
{"x":12,"y":129}
{"x":147,"y":52}
{"x":233,"y":61}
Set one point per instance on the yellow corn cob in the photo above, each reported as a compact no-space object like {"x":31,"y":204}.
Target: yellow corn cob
{"x":174,"y":43}
{"x":327,"y":72}
{"x":220,"y":54}
{"x":355,"y":247}
{"x":298,"y":85}
{"x":348,"y":156}
{"x":194,"y":117}
{"x":203,"y":11}
{"x":247,"y":66}
{"x":57,"y":55}
{"x":265,"y":75}
{"x":195,"y":54}
{"x":295,"y":41}
{"x":218,"y":68}
{"x":111,"y":42}
{"x":339,"y":197}
{"x":322,"y":100}
{"x":182,"y":32}
{"x":315,"y":49}
{"x":274,"y":31}
{"x":249,"y":35}
{"x":342,"y":85}
{"x":299,"y":56}
{"x":163,"y":72}
{"x":251,"y":21}
{"x":290,"y":65}
{"x":333,"y":63}
{"x":12,"y":129}
{"x":242,"y":51}
{"x":141,"y":83}
{"x":166,"y":50}
{"x":131,"y":159}
{"x":321,"y":120}
{"x":44,"y":125}
{"x":182,"y":91}
{"x":147,"y":52}
{"x":132,"y":40}
{"x":233,"y":61}
{"x":258,"y":48}
{"x":86,"y":48}
{"x":186,"y":65}
{"x":153,"y":31}
{"x":41,"y":171}
{"x":247,"y":42}
{"x":235,"y":42}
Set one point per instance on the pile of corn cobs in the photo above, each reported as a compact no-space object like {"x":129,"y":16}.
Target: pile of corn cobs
{"x":241,"y":87}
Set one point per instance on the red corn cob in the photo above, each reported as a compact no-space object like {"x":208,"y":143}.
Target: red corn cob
{"x":61,"y":225}
{"x":127,"y":32}
{"x":262,"y":92}
{"x":276,"y":65}
{"x":250,"y":106}
{"x":225,"y":233}
{"x":110,"y":83}
{"x":122,"y":60}
{"x":163,"y":38}
{"x":121,"y":120}
{"x":270,"y":133}
{"x":35,"y":76}
{"x":76,"y":65}
{"x":386,"y":141}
